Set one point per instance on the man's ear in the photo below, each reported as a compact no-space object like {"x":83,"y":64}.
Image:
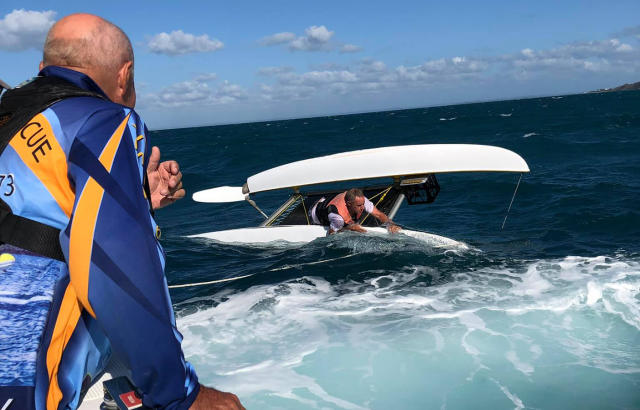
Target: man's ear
{"x":41,"y":66}
{"x":125,"y":71}
{"x":125,"y":84}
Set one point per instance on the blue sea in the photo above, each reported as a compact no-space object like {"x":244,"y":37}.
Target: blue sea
{"x":543,"y":314}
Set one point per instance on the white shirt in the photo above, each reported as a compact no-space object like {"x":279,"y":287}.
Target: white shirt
{"x":336,"y":222}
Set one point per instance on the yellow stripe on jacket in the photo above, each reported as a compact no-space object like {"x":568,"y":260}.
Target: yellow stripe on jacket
{"x":84,"y":222}
{"x":76,"y":296}
{"x":39,"y":149}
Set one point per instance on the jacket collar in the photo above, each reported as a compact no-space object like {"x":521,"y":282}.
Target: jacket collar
{"x":75,"y":77}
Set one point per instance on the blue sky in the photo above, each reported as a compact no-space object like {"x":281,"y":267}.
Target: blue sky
{"x":205,"y":63}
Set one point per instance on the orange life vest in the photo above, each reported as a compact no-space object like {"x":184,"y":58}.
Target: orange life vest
{"x":341,"y":205}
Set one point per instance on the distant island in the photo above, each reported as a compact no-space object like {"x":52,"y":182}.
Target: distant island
{"x":625,"y":87}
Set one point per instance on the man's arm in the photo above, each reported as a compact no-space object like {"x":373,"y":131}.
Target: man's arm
{"x":336,"y":224}
{"x":116,"y":264}
{"x":354,"y":228}
{"x":393,"y":228}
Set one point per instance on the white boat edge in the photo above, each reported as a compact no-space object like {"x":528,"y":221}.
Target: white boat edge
{"x":94,"y":397}
{"x":295,"y":234}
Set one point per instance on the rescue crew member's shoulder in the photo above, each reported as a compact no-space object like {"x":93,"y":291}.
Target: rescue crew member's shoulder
{"x":88,"y":110}
{"x":91,"y":119}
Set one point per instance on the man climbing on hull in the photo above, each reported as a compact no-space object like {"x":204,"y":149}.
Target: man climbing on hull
{"x":343,"y":212}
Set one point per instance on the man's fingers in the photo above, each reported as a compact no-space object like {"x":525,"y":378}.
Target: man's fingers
{"x":174,"y":184}
{"x":175,"y":181}
{"x":178,"y":194}
{"x":154,"y":159}
{"x":170,"y":167}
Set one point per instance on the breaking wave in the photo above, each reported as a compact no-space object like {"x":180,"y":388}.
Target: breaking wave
{"x":297,"y":343}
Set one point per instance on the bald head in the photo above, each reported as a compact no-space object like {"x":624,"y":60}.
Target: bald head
{"x":86,"y":41}
{"x":94,"y":46}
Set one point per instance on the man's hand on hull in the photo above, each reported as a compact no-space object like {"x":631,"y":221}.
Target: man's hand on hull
{"x":393,"y":228}
{"x":354,"y":227}
{"x":165,"y":180}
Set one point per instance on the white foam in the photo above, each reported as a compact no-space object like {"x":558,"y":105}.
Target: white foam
{"x":529,"y":134}
{"x":471,"y":321}
{"x":536,"y":350}
{"x":594,"y":293}
{"x":625,"y":302}
{"x":519,"y":365}
{"x":533,"y":284}
{"x":257,"y":341}
{"x":514,"y":399}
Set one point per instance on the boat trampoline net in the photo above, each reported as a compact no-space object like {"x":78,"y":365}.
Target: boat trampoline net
{"x":383,"y":198}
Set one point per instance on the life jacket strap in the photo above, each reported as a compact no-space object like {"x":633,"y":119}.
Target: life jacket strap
{"x":17,"y":107}
{"x":29,"y":235}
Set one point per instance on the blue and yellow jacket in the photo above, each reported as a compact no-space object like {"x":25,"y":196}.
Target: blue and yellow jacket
{"x":79,"y":166}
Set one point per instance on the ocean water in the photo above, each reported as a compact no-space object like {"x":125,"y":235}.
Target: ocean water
{"x":544,"y":314}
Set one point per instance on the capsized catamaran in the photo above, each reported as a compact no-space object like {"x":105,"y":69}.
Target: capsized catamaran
{"x":412,"y":168}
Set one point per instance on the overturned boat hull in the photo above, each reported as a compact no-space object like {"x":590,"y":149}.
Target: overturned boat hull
{"x":306,"y":233}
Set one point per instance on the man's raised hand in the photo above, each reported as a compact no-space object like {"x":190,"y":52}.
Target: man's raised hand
{"x":165,"y":180}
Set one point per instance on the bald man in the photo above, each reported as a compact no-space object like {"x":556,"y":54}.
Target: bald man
{"x":80,"y":260}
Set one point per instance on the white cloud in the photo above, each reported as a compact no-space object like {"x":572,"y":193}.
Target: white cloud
{"x":293,"y":86}
{"x":228,"y":93}
{"x":278,"y":38}
{"x":202,"y":78}
{"x":185,"y":92}
{"x":286,"y":92}
{"x":629,"y":32}
{"x":603,"y":55}
{"x":328,"y":67}
{"x":315,"y":38}
{"x":324,"y":77}
{"x":350,"y":48}
{"x":370,"y":76}
{"x":366,"y":78}
{"x":373,"y":66}
{"x":196,"y":92}
{"x":178,"y":42}
{"x":373,"y":76}
{"x":273,"y":71}
{"x":440,"y":69}
{"x":624,"y":48}
{"x":527,"y":52}
{"x":318,"y":34}
{"x":24,"y":29}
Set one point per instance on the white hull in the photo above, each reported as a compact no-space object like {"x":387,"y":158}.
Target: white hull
{"x":389,"y":162}
{"x":308,"y":233}
{"x":399,"y":161}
